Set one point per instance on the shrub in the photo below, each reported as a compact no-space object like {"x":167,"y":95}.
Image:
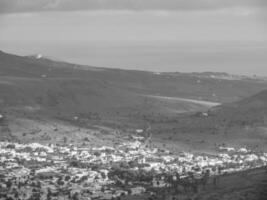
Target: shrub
{"x":10,"y":146}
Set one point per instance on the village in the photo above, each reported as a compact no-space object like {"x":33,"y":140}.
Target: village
{"x":36,"y":171}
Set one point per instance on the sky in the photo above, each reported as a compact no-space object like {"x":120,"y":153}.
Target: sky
{"x":155,"y":35}
{"x":39,"y":5}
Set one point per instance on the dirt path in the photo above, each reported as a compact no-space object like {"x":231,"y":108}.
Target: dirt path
{"x":194,"y":101}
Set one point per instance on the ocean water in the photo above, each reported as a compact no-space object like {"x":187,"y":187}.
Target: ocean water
{"x":143,"y":41}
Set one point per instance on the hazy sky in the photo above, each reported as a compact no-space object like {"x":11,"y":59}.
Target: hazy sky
{"x":38,"y":5}
{"x":157,"y":35}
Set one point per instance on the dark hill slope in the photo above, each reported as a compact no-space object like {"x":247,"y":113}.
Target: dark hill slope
{"x":39,"y":89}
{"x":250,"y":111}
{"x":62,"y":89}
{"x":242,"y":123}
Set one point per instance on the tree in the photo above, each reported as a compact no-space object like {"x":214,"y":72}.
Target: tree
{"x":49,"y":194}
{"x":75,"y":196}
{"x":65,"y":140}
{"x":10,"y":146}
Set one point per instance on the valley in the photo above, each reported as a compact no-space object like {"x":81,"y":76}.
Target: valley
{"x":99,"y":120}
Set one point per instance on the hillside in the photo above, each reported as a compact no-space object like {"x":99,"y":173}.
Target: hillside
{"x":238,"y":123}
{"x":251,"y":111}
{"x":37,"y":88}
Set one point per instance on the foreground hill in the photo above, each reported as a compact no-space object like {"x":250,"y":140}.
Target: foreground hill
{"x":238,"y":123}
{"x":39,"y":88}
{"x":251,"y":111}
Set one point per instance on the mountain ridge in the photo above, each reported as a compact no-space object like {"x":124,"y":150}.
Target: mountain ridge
{"x":56,"y":91}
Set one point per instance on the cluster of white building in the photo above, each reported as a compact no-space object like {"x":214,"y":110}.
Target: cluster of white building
{"x":78,"y":172}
